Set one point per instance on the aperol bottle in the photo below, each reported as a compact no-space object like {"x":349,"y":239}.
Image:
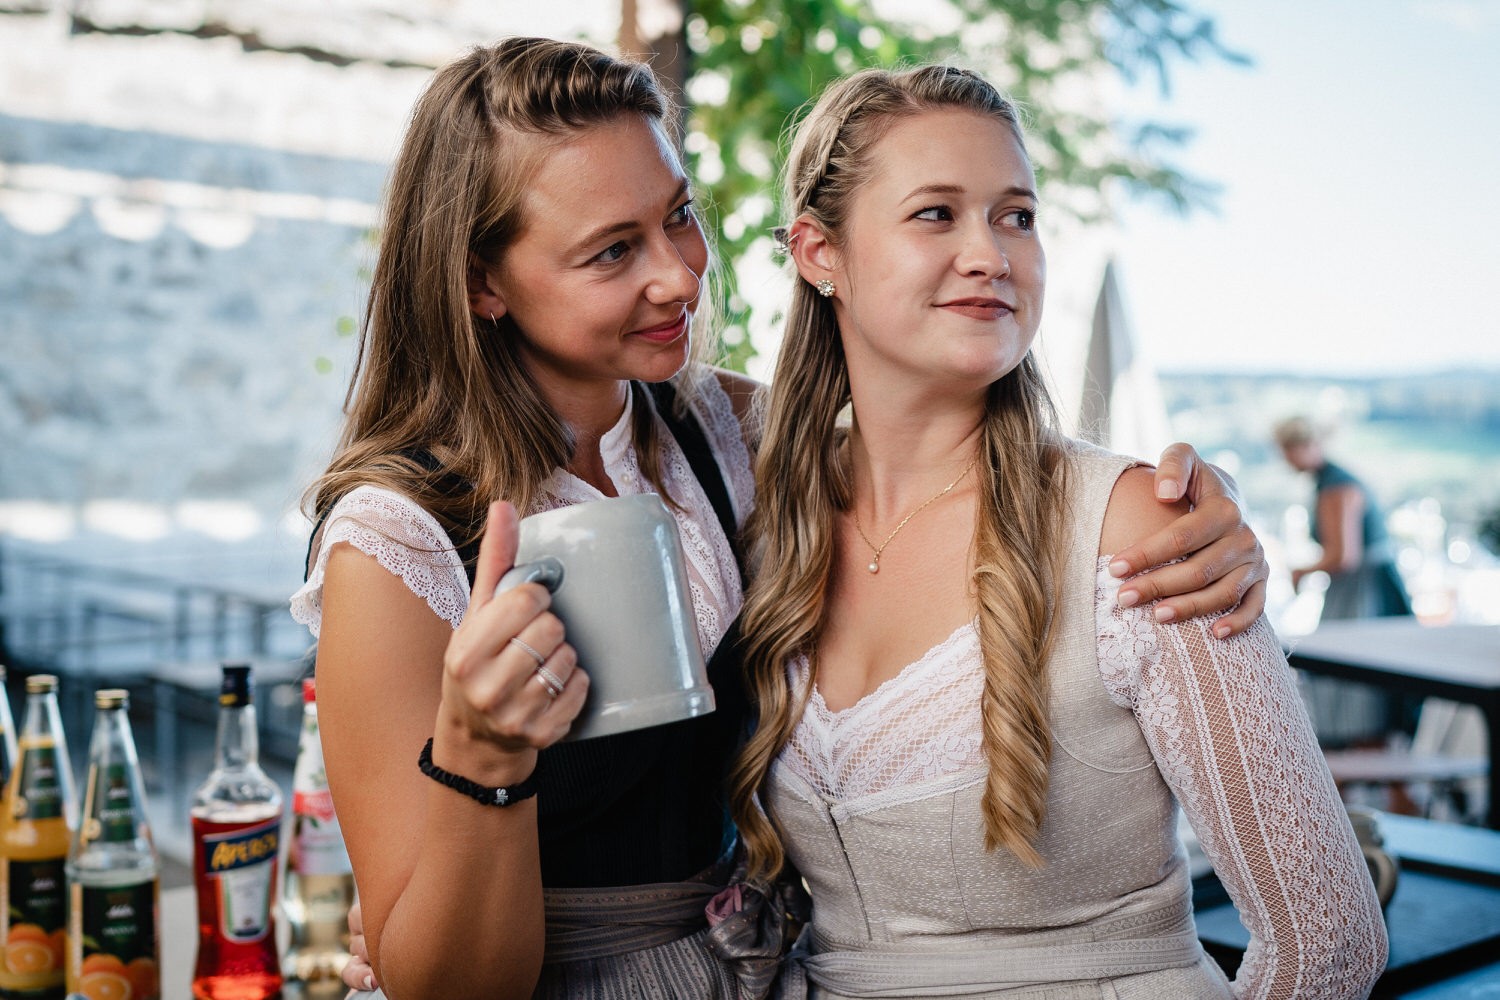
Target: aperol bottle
{"x":35,"y":826}
{"x":236,"y":833}
{"x":114,"y":873}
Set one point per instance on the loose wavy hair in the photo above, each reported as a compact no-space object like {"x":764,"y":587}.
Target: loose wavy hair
{"x":431,"y":378}
{"x":802,"y":481}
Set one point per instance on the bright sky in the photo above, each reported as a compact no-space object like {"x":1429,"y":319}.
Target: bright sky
{"x":1359,"y":226}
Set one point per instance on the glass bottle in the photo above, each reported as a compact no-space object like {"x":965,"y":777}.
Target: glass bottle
{"x":319,"y":886}
{"x":236,"y":818}
{"x":35,"y":828}
{"x":114,"y":872}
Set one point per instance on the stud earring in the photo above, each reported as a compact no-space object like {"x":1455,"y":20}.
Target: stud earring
{"x":825,"y":287}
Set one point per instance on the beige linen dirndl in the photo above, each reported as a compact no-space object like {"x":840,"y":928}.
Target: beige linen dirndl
{"x":908,"y":902}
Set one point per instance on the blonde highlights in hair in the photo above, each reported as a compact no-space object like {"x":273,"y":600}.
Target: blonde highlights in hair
{"x":802,"y":482}
{"x":430,"y":377}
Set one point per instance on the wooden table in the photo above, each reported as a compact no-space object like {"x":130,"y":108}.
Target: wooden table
{"x":1457,"y":662}
{"x":1443,"y":923}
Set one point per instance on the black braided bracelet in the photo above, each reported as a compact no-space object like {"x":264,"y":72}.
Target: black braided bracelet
{"x":505,"y":795}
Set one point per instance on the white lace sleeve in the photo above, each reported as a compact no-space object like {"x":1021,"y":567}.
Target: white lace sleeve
{"x":1230,"y":735}
{"x":715,"y":412}
{"x":403,"y":538}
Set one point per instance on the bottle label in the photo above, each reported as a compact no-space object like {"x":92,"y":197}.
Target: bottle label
{"x":243,"y":862}
{"x":116,"y":928}
{"x":316,"y":803}
{"x":40,"y":788}
{"x":317,"y":846}
{"x":317,"y":842}
{"x":35,"y":901}
{"x":116,"y":805}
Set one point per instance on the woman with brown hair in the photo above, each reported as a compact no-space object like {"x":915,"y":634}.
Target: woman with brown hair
{"x":533,"y":340}
{"x":969,"y":750}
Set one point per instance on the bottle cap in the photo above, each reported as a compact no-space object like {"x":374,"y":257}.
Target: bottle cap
{"x":234,"y":692}
{"x":309,"y":694}
{"x":41,"y":684}
{"x":111,"y":698}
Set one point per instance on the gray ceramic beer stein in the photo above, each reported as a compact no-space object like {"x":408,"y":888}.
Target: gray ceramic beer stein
{"x":1385,"y":870}
{"x":619,"y":583}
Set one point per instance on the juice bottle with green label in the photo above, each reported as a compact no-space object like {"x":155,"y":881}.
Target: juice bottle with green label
{"x":35,"y":827}
{"x":113,"y":870}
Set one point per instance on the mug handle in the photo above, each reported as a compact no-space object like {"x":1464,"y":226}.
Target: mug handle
{"x":547,"y":571}
{"x":1384,"y":870}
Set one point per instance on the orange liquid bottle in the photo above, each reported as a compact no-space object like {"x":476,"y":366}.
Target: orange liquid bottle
{"x":35,"y":830}
{"x":236,"y":816}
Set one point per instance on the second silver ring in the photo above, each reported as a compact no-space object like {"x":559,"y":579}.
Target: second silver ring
{"x":553,"y":683}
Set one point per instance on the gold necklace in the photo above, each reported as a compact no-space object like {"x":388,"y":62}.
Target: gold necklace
{"x":874,"y":566}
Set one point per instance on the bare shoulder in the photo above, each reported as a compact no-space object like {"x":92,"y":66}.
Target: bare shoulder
{"x":365,"y":604}
{"x":1134,"y":511}
{"x":747,"y":396}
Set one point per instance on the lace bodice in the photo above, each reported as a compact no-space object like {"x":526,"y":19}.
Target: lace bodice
{"x":1227,"y":731}
{"x":408,"y":541}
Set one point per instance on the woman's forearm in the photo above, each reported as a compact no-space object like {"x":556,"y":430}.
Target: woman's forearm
{"x":469,"y":921}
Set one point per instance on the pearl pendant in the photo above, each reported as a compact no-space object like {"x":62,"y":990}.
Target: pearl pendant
{"x":874,"y":567}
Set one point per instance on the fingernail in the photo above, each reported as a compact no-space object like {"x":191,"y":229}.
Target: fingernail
{"x":369,"y":982}
{"x":1162,"y":613}
{"x":1168,"y":489}
{"x":1221,"y":631}
{"x":1128,"y":599}
{"x":1119,"y":568}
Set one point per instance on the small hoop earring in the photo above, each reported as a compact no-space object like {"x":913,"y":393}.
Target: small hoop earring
{"x":825,"y":288}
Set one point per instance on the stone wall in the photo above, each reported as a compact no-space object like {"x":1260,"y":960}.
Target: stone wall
{"x":187,"y":194}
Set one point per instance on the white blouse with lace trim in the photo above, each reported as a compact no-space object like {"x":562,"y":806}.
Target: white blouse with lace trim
{"x":1272,"y":825}
{"x":408,"y":541}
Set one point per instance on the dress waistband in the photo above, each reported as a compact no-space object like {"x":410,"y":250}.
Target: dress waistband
{"x":585,"y":924}
{"x":1150,"y":942}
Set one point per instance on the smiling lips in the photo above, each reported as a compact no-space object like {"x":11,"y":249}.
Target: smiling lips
{"x":664,"y":334}
{"x":978,"y":308}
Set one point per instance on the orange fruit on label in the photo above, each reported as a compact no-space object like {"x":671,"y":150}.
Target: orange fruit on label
{"x":101,"y":962}
{"x":25,"y":932}
{"x":105,"y":986}
{"x":29,"y":956}
{"x":142,"y":975}
{"x":58,"y":942}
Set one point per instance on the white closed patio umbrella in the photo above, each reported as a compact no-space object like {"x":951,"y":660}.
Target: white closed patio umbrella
{"x":1121,"y":407}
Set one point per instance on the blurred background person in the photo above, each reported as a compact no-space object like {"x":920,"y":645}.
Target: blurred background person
{"x":1363,"y":582}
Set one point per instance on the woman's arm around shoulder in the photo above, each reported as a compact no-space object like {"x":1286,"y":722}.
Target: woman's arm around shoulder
{"x":1222,"y":568}
{"x":1135,"y":511}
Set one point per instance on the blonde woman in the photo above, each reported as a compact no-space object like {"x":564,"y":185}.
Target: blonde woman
{"x":530,"y":343}
{"x":969,"y":750}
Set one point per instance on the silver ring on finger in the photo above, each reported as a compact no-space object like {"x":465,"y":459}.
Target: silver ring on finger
{"x":553,"y":683}
{"x":540,"y":659}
